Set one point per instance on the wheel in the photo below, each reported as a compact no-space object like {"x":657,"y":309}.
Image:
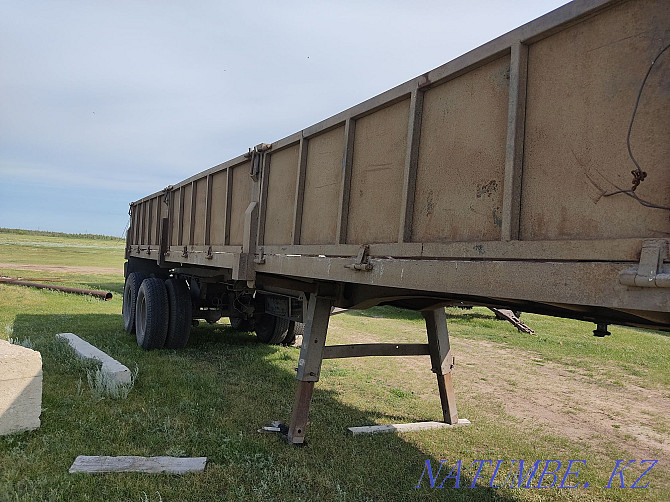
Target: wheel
{"x":295,"y":329}
{"x":179,"y":318}
{"x":240,"y":324}
{"x":151,"y":314}
{"x":270,"y":329}
{"x":133,"y":282}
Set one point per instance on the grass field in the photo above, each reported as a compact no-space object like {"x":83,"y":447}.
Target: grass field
{"x":562,"y":394}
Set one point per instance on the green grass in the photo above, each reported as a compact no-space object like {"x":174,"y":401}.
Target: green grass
{"x":209,"y":400}
{"x":60,"y":250}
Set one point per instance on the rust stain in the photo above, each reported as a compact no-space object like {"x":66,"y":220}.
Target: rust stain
{"x":425,"y":81}
{"x":487,"y":189}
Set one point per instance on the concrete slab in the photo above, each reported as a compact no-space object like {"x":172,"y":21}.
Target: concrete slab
{"x":417,"y":426}
{"x":20,"y":388}
{"x":118,"y":371}
{"x":151,"y":465}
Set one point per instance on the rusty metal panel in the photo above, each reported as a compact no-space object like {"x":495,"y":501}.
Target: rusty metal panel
{"x":582,"y":86}
{"x":377,"y":173}
{"x":281,"y":196}
{"x":200,"y":211}
{"x":459,"y":185}
{"x":218,"y":219}
{"x":241,"y":196}
{"x":323,"y":178}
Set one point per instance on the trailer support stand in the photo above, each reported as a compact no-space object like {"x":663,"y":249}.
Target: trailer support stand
{"x":442,"y":361}
{"x":309,"y":364}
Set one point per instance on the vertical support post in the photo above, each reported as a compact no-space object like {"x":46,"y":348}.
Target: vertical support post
{"x":182,"y":195}
{"x":345,"y":187}
{"x":411,"y":160}
{"x":300,"y":190}
{"x":150,"y":217}
{"x":208,"y":211}
{"x":265,"y":178}
{"x":191,"y":228}
{"x":309,"y":364}
{"x":229,"y":205}
{"x":159,"y":208}
{"x":516,"y":119}
{"x":442,"y":361}
{"x":171,"y":216}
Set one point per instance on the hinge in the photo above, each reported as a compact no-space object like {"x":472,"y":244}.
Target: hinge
{"x":184,"y":253}
{"x":261,"y":257}
{"x":362,"y":262}
{"x":210,"y":255}
{"x":649,"y":272}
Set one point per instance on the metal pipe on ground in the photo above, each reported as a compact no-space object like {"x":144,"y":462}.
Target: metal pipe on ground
{"x":105,"y":295}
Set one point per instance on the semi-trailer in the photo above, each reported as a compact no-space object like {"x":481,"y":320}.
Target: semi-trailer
{"x":530,"y":173}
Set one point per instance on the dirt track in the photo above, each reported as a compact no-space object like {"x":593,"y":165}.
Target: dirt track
{"x":61,"y":269}
{"x":559,"y":399}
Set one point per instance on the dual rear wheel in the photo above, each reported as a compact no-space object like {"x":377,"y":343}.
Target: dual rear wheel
{"x":160,"y":314}
{"x":157,"y":311}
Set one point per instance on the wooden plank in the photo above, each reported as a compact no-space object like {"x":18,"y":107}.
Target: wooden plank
{"x":447,"y":398}
{"x":375,"y":349}
{"x":152,"y":465}
{"x":438,"y":340}
{"x":411,"y":160}
{"x":345,"y":188}
{"x":300,"y":190}
{"x":515,"y":141}
{"x":417,"y":426}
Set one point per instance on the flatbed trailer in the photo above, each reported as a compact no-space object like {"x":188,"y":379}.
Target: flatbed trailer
{"x":531,"y":173}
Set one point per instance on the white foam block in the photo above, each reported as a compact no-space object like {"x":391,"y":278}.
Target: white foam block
{"x":417,"y":426}
{"x":118,"y":371}
{"x":20,"y":388}
{"x":152,"y":465}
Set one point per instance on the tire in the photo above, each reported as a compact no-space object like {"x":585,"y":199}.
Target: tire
{"x":295,"y":329}
{"x":179,"y":318}
{"x":240,"y":324}
{"x":151,"y":314}
{"x":270,"y":329}
{"x":132,"y":286}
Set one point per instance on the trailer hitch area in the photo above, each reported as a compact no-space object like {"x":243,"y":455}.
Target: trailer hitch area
{"x":362,"y":262}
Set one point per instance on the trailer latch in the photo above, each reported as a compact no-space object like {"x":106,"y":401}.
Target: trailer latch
{"x":362,"y":260}
{"x":649,"y":272}
{"x":255,"y":154}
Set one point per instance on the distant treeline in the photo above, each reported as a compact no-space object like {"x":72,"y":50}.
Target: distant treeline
{"x":45,"y":233}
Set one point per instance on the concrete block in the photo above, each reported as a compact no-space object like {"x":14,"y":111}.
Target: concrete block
{"x":118,"y":371}
{"x":152,"y":465}
{"x":20,"y":388}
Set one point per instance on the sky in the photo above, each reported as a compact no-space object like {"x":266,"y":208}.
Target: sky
{"x":104,"y":102}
